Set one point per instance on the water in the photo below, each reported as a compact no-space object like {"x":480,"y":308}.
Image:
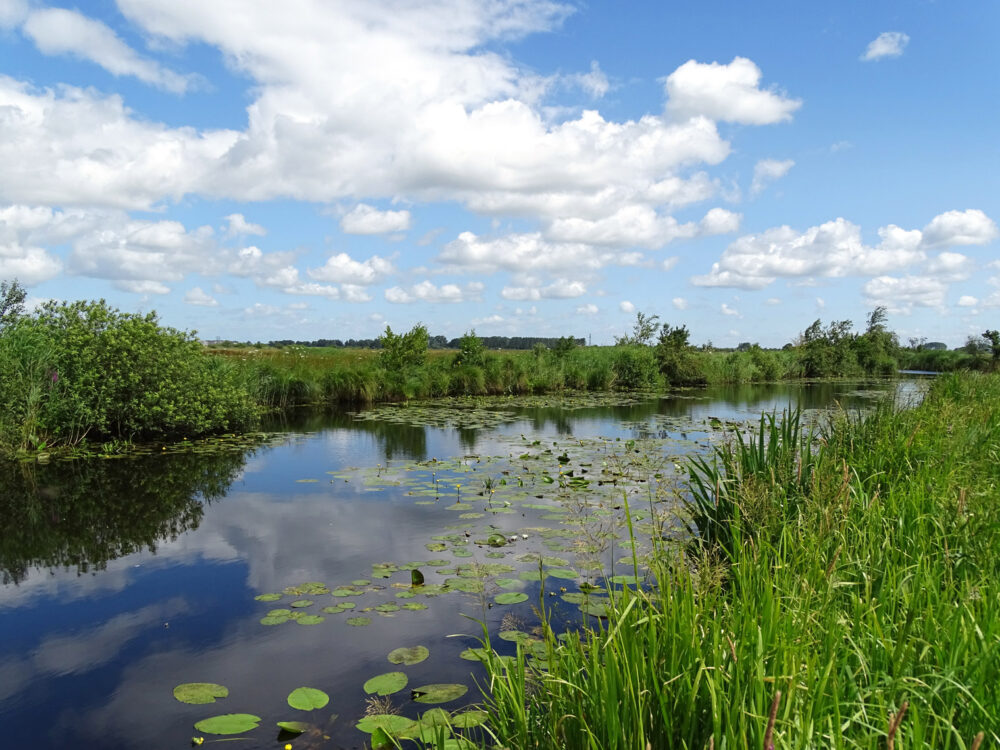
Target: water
{"x":120,"y":579}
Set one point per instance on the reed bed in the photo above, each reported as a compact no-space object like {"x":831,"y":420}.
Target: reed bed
{"x":839,"y":590}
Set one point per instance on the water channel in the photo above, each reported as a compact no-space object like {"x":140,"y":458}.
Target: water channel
{"x":122,"y":578}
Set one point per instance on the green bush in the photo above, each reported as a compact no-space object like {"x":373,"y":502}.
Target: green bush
{"x":86,"y":369}
{"x":634,"y":368}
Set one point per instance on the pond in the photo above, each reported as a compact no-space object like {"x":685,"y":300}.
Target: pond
{"x":290,"y":563}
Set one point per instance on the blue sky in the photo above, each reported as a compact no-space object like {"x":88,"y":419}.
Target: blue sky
{"x":316,"y":169}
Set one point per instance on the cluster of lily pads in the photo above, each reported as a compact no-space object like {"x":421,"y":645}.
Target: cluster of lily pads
{"x":385,"y":728}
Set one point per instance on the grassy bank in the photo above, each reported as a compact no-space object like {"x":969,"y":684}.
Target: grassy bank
{"x":840,"y":594}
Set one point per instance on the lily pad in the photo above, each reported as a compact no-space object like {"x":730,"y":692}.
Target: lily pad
{"x":469,"y":719}
{"x":228,"y":724}
{"x":408,"y":656}
{"x":392,"y":724}
{"x":438,"y":692}
{"x":558,"y":573}
{"x":511,"y":597}
{"x":475,"y":654}
{"x":268,"y":597}
{"x":307,"y":698}
{"x":414,"y":606}
{"x":298,"y":603}
{"x":200,"y":692}
{"x":295,"y":727}
{"x":386,"y":684}
{"x":359,"y":621}
{"x":274,"y":619}
{"x":310,"y":619}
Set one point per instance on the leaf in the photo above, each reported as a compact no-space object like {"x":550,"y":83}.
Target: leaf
{"x":381,"y":740}
{"x":469,"y":719}
{"x":307,"y":698}
{"x":268,"y":597}
{"x":511,"y":597}
{"x":416,"y":578}
{"x":295,"y":727}
{"x":199,"y":693}
{"x":408,"y":656}
{"x":359,"y":621}
{"x":274,"y":619}
{"x":309,"y":619}
{"x":228,"y":724}
{"x":556,"y":573}
{"x":386,"y":684}
{"x":438,"y":692}
{"x":391,"y":724}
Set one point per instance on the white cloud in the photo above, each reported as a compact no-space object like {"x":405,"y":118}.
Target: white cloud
{"x":969,"y":227}
{"x":12,"y":13}
{"x":626,"y":307}
{"x":365,"y":219}
{"x":727,"y":310}
{"x":820,"y":303}
{"x":487,"y":321}
{"x":141,"y":287}
{"x":669,"y":263}
{"x":767,"y":171}
{"x":967,"y":301}
{"x":726,"y":92}
{"x":835,"y":249}
{"x":589,"y":309}
{"x":343,"y":269}
{"x":200,"y":298}
{"x":772,"y":301}
{"x":680,"y":303}
{"x":426,"y":291}
{"x":526,"y":253}
{"x":559,"y":289}
{"x":886,"y":44}
{"x":902,"y":294}
{"x":57,"y":31}
{"x":720,"y":221}
{"x":630,"y":225}
{"x":949,"y":266}
{"x":240,"y":227}
{"x":595,"y":83}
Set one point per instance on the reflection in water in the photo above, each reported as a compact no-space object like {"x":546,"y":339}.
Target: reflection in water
{"x":82,"y":514}
{"x":398,"y":441}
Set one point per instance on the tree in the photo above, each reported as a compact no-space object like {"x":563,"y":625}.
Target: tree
{"x":642,"y":332}
{"x":471,"y":350}
{"x":403,"y":351}
{"x":994,"y":338}
{"x":673,"y":355}
{"x":12,"y":296}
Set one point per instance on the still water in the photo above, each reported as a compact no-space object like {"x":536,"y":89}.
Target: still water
{"x":122,"y":578}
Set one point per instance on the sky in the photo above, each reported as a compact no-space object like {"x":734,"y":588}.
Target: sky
{"x":311,"y":169}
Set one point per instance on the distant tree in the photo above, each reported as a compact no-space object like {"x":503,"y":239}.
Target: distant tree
{"x":438,"y":342}
{"x":935,"y":346}
{"x":12,"y":296}
{"x":744,"y":346}
{"x":471,"y":350}
{"x":564,"y":346}
{"x":643,"y":331}
{"x":993,"y":337}
{"x":404,"y":351}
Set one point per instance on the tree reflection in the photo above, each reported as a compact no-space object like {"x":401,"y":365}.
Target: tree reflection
{"x":83,"y":514}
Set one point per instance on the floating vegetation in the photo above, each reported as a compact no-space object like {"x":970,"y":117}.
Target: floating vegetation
{"x":438,"y":693}
{"x":199,"y":693}
{"x":386,"y":684}
{"x":307,"y":698}
{"x":228,"y":724}
{"x":511,"y":597}
{"x":359,"y":622}
{"x":408,"y":655}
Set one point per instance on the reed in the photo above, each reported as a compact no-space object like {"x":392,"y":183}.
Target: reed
{"x":853,"y":573}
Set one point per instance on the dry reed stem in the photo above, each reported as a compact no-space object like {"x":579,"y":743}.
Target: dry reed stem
{"x":894,"y":725}
{"x":977,"y":741}
{"x":769,"y":734}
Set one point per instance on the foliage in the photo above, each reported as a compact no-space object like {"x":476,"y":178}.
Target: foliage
{"x":840,"y":595}
{"x":403,"y":352}
{"x":471,"y":350}
{"x":643,"y":331}
{"x":80,"y":369}
{"x":993,"y":337}
{"x":634,"y":368}
{"x":12,"y":297}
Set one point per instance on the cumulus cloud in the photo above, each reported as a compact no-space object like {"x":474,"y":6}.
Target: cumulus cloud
{"x":767,"y":171}
{"x":426,"y":291}
{"x":240,"y":227}
{"x":969,"y":227}
{"x":726,"y":92}
{"x":902,"y":294}
{"x":589,"y":309}
{"x":886,"y":44}
{"x":626,"y":307}
{"x":57,"y":31}
{"x":200,"y":298}
{"x":950,"y":266}
{"x":720,"y":221}
{"x":679,"y":303}
{"x":343,"y":269}
{"x":835,"y":249}
{"x":727,"y":310}
{"x":967,"y":301}
{"x":365,"y":219}
{"x":558,"y":289}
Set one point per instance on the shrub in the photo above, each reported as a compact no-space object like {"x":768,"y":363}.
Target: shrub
{"x":634,"y":368}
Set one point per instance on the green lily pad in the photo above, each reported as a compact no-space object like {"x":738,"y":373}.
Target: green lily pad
{"x":408,"y":656}
{"x":295,"y":727}
{"x":511,"y":597}
{"x":307,"y":698}
{"x":625,"y":579}
{"x":228,"y":724}
{"x":359,"y":622}
{"x":268,"y":597}
{"x":518,"y":636}
{"x":200,"y":692}
{"x":392,"y":724}
{"x":560,"y":573}
{"x":360,"y":582}
{"x":309,"y":619}
{"x":438,"y":692}
{"x":475,"y":654}
{"x":387,"y":607}
{"x":414,"y":606}
{"x":468,"y":719}
{"x":298,"y":603}
{"x":386,"y":684}
{"x":274,"y":619}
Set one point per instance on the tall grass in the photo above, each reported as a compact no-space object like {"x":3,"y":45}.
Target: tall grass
{"x":840,"y":593}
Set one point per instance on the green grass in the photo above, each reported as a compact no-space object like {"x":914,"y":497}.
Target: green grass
{"x":850,"y":583}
